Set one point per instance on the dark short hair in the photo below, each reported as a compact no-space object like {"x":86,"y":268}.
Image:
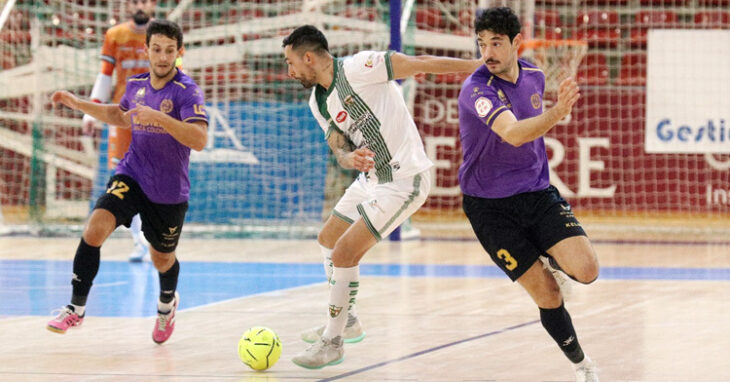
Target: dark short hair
{"x":307,"y":37}
{"x":499,"y":20}
{"x":166,"y":28}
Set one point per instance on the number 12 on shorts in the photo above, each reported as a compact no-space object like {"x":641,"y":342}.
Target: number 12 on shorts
{"x":509,"y":262}
{"x":118,"y":188}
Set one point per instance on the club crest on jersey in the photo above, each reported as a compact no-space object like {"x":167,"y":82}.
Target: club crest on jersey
{"x":335,"y":311}
{"x":341,"y":116}
{"x":535,"y":100}
{"x":166,"y":106}
{"x":483,"y":106}
{"x":349,"y":100}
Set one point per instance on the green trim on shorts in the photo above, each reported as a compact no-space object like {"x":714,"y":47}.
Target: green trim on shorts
{"x":343,"y":217}
{"x":416,"y":192}
{"x":368,"y":223}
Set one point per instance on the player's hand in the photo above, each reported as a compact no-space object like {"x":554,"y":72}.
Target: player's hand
{"x":65,"y":98}
{"x":568,"y":95}
{"x":363,"y":159}
{"x":143,"y":115}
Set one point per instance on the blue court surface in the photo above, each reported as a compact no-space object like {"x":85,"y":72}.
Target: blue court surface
{"x":123,"y":289}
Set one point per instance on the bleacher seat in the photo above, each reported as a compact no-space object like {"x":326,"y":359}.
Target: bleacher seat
{"x":430,"y":18}
{"x":633,"y":70}
{"x":598,"y":28}
{"x":666,"y":3}
{"x":713,"y":3}
{"x":604,"y":2}
{"x":548,"y":25}
{"x":593,"y":70}
{"x":548,"y":3}
{"x":712,"y":20}
{"x":646,"y":20}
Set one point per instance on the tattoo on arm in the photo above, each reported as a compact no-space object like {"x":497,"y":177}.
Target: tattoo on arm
{"x":341,"y":146}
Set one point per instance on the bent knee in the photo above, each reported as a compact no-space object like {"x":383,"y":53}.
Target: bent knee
{"x":587,"y":274}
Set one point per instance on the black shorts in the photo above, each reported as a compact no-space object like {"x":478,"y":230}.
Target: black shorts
{"x":161,"y":223}
{"x":516,"y":230}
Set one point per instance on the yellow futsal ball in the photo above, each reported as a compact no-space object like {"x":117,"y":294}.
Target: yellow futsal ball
{"x":259,"y":348}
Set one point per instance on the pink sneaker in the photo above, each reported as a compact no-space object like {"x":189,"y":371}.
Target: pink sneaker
{"x":67,"y":318}
{"x":165,"y":323}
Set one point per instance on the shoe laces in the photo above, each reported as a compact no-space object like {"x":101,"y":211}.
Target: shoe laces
{"x":63,"y":314}
{"x":162,"y":321}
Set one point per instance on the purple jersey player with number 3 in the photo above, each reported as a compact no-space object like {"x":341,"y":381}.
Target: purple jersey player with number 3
{"x":528,"y":230}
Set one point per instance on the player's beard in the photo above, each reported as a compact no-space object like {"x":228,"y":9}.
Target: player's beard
{"x":140,"y":18}
{"x":163,"y":75}
{"x":308,"y":83}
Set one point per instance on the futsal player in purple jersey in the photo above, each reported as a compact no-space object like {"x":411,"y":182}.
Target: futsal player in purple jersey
{"x":165,"y":110}
{"x":514,"y":211}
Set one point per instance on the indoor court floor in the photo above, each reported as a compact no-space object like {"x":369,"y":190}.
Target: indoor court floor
{"x":433,"y":310}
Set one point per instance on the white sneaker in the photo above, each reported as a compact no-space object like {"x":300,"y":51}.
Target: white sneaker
{"x":586,"y":371}
{"x":139,"y":254}
{"x":324,"y":352}
{"x":353,"y":332}
{"x":564,"y":282}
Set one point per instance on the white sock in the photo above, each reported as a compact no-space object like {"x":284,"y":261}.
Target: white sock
{"x":327,"y":254}
{"x":136,"y":229}
{"x":328,"y":269}
{"x":165,"y":307}
{"x":343,"y":290}
{"x":586,"y":361}
{"x":79,"y":309}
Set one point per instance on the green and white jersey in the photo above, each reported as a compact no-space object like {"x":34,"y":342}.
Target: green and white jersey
{"x":366,"y":105}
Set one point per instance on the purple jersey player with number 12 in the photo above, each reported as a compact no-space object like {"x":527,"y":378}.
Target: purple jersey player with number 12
{"x":165,"y":110}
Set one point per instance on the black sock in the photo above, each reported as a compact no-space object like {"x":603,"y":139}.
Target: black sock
{"x":558,"y":324}
{"x":168,"y":283}
{"x":86,"y":266}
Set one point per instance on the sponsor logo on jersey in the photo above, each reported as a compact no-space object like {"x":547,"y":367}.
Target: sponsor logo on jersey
{"x":341,"y":116}
{"x":536,"y":101}
{"x":139,"y":96}
{"x":166,"y":106}
{"x":483,"y":106}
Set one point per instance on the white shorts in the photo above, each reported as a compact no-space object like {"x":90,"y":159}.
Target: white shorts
{"x":383,"y":206}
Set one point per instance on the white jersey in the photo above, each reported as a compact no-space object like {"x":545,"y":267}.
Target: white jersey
{"x":366,"y":106}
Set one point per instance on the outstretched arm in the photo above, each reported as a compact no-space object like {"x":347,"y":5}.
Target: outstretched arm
{"x":406,"y":66}
{"x":520,"y":132}
{"x":108,"y":113}
{"x":191,"y":134}
{"x":347,"y":156}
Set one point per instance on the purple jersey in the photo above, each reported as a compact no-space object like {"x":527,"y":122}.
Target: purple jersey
{"x":156,"y":160}
{"x":493,"y":168}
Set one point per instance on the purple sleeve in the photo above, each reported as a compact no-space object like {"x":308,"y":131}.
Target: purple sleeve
{"x":482,"y":103}
{"x":193,"y":106}
{"x":124,"y":102}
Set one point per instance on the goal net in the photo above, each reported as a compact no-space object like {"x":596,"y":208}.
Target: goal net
{"x":267,"y":170}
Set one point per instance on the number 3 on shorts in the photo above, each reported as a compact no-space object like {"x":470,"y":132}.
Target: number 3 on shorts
{"x":509,"y":261}
{"x":118,"y":188}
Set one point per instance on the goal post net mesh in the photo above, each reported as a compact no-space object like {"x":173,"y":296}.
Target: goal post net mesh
{"x":267,"y":170}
